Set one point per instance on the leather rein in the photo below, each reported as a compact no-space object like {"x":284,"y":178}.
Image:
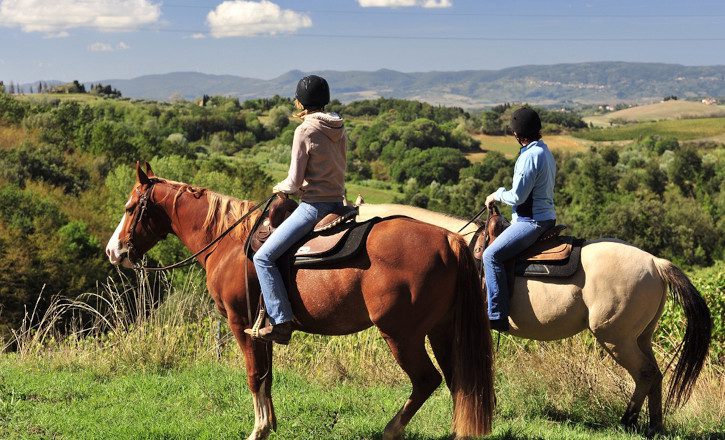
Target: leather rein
{"x":142,"y":208}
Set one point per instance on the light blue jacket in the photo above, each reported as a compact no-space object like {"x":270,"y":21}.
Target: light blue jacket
{"x":532,"y":192}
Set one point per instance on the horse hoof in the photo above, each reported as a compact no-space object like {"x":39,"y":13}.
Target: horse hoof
{"x":259,"y":434}
{"x":653,"y":431}
{"x":629,"y":421}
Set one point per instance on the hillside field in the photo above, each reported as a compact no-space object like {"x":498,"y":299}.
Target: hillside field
{"x":673,"y":109}
{"x":508,"y":147}
{"x":682,"y":129}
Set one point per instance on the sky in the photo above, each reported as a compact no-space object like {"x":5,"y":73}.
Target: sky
{"x":92,"y":40}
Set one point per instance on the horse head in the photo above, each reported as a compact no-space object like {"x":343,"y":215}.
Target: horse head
{"x":143,"y":223}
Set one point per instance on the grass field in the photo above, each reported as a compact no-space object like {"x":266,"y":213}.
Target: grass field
{"x":158,"y":377}
{"x":659,"y":111}
{"x":80,"y":97}
{"x":209,"y":400}
{"x":508,"y":147}
{"x":682,"y":129}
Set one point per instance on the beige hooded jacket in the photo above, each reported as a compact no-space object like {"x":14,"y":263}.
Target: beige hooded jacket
{"x":317,"y":170}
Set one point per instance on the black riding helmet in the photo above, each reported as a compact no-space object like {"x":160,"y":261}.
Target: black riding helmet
{"x":525,"y":122}
{"x":313,"y":92}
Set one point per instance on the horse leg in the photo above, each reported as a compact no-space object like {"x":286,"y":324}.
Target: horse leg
{"x":654,"y":397}
{"x":441,"y":340}
{"x":643,"y":369}
{"x":258,"y":362}
{"x":413,"y":359}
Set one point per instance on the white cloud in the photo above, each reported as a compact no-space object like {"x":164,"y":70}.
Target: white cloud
{"x":106,"y":47}
{"x":405,"y":3}
{"x":100,"y":47}
{"x":198,"y":36}
{"x":61,"y":34}
{"x":54,"y":17}
{"x":241,"y":18}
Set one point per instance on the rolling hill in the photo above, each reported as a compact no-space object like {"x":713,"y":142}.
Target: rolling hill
{"x":586,"y":83}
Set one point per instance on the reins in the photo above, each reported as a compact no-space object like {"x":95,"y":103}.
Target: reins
{"x":190,"y":260}
{"x":474,"y":218}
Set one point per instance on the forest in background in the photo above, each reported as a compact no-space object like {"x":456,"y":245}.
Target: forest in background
{"x":65,"y":173}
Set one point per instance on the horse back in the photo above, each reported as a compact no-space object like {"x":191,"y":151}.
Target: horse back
{"x":401,"y":256}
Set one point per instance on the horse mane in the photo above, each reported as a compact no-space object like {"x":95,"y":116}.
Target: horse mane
{"x":221,"y":212}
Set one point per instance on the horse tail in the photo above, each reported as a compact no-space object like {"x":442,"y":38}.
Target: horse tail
{"x":472,"y":381}
{"x":696,"y":342}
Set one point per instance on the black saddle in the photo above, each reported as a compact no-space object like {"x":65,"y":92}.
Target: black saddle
{"x":552,"y":255}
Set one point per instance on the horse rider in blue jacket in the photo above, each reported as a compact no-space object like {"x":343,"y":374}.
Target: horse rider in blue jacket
{"x":532,"y":199}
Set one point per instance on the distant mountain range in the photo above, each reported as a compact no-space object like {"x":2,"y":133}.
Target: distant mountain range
{"x":594,"y":82}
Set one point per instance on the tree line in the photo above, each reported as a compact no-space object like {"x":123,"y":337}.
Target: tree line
{"x":63,"y":187}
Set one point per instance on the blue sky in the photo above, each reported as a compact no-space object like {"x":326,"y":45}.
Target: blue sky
{"x":101,"y":39}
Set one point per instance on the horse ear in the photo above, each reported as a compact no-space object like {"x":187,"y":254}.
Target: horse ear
{"x":149,"y":171}
{"x":141,"y":177}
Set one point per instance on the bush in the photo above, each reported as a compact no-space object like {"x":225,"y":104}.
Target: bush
{"x":436,"y":164}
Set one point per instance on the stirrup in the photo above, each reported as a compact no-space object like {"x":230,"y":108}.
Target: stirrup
{"x":254,"y":331}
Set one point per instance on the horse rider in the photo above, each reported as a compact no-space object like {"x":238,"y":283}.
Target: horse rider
{"x":532,"y":199}
{"x":317,"y":176}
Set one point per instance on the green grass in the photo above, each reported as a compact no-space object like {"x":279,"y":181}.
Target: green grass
{"x":210,"y":401}
{"x":683,"y":129}
{"x":80,"y":97}
{"x":157,"y":377}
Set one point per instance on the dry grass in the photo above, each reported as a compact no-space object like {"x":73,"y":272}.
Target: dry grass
{"x":12,"y":136}
{"x":508,"y":147}
{"x":660,"y":111}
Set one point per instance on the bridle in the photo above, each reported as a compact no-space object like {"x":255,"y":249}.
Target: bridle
{"x":143,"y":206}
{"x":138,"y":214}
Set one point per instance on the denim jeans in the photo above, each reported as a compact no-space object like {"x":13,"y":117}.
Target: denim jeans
{"x":512,"y":241}
{"x":297,"y":225}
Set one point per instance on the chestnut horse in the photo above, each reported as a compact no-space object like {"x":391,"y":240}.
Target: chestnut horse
{"x":618,"y":293}
{"x":412,"y":280}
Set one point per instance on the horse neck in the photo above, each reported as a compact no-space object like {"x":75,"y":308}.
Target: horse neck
{"x":186,"y":218}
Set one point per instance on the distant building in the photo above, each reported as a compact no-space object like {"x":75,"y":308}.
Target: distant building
{"x":709,"y":101}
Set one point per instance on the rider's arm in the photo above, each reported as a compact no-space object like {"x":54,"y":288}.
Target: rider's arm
{"x":298,"y":164}
{"x":523,"y":184}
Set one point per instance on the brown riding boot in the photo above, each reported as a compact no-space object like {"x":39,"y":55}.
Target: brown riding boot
{"x":280,"y":333}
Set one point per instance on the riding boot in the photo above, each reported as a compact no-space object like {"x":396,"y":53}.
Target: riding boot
{"x":280,"y":333}
{"x":501,"y":324}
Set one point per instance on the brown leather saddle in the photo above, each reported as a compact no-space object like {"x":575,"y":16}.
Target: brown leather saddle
{"x":336,"y":237}
{"x":552,"y":255}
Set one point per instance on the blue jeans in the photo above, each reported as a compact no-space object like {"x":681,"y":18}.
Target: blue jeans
{"x":299,"y":224}
{"x":512,"y":241}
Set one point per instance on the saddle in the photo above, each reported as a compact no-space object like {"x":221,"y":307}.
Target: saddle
{"x":552,"y":255}
{"x":336,"y":237}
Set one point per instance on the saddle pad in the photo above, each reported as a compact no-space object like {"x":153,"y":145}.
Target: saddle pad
{"x":347,"y":248}
{"x":563,"y":268}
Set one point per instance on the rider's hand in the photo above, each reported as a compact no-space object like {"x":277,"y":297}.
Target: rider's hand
{"x":490,"y":200}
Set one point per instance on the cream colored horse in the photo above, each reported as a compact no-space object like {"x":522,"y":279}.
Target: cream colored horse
{"x":618,"y":293}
